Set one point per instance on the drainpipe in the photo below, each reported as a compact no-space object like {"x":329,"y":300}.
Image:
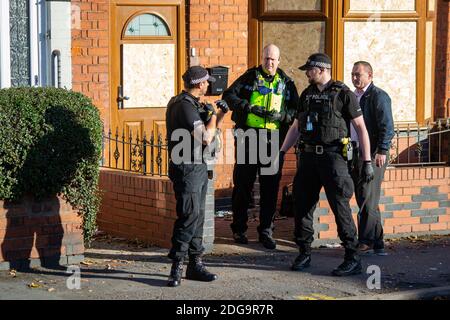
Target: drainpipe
{"x":56,"y":68}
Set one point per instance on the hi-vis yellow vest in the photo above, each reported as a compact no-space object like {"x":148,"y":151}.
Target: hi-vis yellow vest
{"x":272,"y":100}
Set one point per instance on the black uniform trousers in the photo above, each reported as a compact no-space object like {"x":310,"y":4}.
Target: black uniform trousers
{"x":370,"y":229}
{"x":190,"y":183}
{"x":329,"y":170}
{"x":244,"y":177}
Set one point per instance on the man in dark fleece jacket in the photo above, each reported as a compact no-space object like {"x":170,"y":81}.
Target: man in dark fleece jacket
{"x":377,"y":112}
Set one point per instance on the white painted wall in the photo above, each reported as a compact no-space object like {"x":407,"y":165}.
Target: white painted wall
{"x":59,"y":26}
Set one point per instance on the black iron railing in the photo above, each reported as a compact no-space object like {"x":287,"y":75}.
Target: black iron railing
{"x":144,"y":155}
{"x":421,"y":145}
{"x":148,"y":155}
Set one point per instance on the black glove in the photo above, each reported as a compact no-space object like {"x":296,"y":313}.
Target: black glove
{"x":245,"y":106}
{"x":259,"y":111}
{"x":287,"y":118}
{"x":207,"y":112}
{"x":367,"y":171}
{"x":275,"y":116}
{"x":222,"y":105}
{"x":209,"y":108}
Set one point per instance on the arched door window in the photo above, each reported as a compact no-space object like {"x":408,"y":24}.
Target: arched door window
{"x":147,"y":25}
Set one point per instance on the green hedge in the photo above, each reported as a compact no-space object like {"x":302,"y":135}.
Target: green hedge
{"x":50,"y":144}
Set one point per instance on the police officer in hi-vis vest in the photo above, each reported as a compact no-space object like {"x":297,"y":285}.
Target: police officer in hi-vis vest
{"x":325,"y":111}
{"x":263,"y":99}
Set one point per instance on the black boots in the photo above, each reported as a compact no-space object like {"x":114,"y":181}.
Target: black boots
{"x":240,"y":238}
{"x":350,"y":266}
{"x":175,"y":273}
{"x":267,"y":241}
{"x":301,"y":262}
{"x":196,"y":270}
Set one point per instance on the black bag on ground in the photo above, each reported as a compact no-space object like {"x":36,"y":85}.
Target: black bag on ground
{"x":287,"y":202}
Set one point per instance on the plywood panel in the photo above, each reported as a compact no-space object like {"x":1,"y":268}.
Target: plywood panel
{"x":148,"y":74}
{"x":382,"y":5}
{"x":391,"y":48}
{"x":294,"y":5}
{"x":297,"y":41}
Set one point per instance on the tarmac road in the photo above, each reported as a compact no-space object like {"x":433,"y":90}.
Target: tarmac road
{"x":115,"y":269}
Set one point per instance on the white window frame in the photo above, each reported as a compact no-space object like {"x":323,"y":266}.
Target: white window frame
{"x":38,"y":44}
{"x":34,"y":45}
{"x":42,"y":42}
{"x":5,"y":49}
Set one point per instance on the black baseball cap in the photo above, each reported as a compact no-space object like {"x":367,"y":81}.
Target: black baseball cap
{"x":319,"y":60}
{"x":197,"y":74}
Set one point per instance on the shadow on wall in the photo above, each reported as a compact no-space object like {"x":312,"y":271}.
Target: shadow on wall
{"x":33,"y":231}
{"x":34,"y":220}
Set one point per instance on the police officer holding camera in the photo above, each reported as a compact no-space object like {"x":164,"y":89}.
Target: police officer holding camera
{"x":325,"y":111}
{"x":192,"y":126}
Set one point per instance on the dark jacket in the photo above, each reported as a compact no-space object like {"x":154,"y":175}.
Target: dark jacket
{"x":238,"y":96}
{"x":377,"y":112}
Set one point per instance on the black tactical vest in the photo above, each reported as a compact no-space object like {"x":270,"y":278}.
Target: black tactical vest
{"x":184,"y":96}
{"x":209,"y":154}
{"x":320,"y":122}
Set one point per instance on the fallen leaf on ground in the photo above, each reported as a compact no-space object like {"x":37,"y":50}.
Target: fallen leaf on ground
{"x":34,"y":285}
{"x":51,"y":289}
{"x":12,"y":273}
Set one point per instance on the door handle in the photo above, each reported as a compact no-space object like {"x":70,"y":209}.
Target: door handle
{"x":121,"y":97}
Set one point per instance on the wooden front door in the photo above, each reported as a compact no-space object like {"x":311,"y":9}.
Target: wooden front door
{"x":147,"y":60}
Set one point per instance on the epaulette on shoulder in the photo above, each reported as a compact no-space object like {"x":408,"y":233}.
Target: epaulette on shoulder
{"x":182,"y":97}
{"x":339,"y":85}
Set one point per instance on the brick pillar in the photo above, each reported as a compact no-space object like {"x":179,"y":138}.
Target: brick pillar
{"x":208,"y":227}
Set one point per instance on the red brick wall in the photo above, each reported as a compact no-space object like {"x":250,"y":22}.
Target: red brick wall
{"x":218,"y":30}
{"x":39,"y":232}
{"x":415,"y":200}
{"x":90,"y":53}
{"x":442,"y":87}
{"x":137,"y":207}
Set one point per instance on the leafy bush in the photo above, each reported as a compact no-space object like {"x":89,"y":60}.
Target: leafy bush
{"x":50,"y":144}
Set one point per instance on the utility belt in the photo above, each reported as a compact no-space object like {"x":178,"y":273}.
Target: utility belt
{"x":320,"y":149}
{"x":345,"y":148}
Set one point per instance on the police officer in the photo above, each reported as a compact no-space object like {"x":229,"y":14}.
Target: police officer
{"x":263,"y":99}
{"x":191,"y":126}
{"x":325,"y":111}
